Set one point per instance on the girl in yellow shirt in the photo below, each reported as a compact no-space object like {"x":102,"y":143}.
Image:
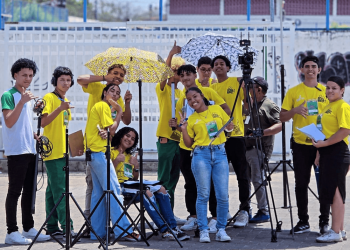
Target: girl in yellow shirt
{"x":208,"y":162}
{"x":334,"y":156}
{"x":127,"y":167}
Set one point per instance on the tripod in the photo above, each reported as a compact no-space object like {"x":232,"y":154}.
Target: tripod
{"x":65,"y":195}
{"x":107,"y":194}
{"x":257,"y":135}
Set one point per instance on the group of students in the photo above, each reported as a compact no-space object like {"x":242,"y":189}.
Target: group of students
{"x":185,"y":144}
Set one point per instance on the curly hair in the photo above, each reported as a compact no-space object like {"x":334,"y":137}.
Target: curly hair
{"x":60,"y":71}
{"x":23,"y":63}
{"x":107,"y":88}
{"x":119,"y":136}
{"x":188,"y":68}
{"x":227,"y":62}
{"x":114,"y":66}
{"x":176,"y":62}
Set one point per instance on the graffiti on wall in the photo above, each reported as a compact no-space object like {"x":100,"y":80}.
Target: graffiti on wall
{"x":335,"y":64}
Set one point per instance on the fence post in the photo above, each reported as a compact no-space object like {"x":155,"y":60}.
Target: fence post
{"x":327,"y":14}
{"x":85,"y":10}
{"x":248,"y":10}
{"x":160,"y":10}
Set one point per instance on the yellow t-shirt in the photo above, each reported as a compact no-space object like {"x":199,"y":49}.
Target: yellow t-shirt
{"x":164,"y":100}
{"x":227,"y":90}
{"x":198,"y":122}
{"x":95,"y":90}
{"x":296,"y":96}
{"x":56,"y":130}
{"x":200,"y":85}
{"x":119,"y":169}
{"x":334,"y":116}
{"x":100,"y":114}
{"x":208,"y":93}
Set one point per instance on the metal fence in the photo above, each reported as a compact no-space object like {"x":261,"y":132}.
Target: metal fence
{"x":73,"y":44}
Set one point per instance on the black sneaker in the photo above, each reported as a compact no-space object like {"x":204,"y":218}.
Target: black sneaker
{"x":301,"y":227}
{"x":180,"y":234}
{"x":54,"y":233}
{"x":324,"y":228}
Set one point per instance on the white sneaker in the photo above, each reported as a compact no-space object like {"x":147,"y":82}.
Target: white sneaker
{"x":212,"y":226}
{"x":191,"y":224}
{"x":180,"y":221}
{"x":229,"y":216}
{"x":204,"y":236}
{"x":33,"y":232}
{"x":222,"y":235}
{"x":343,"y":235}
{"x":242,"y":219}
{"x":330,"y":236}
{"x":15,"y":238}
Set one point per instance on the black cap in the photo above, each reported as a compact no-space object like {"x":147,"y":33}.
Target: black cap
{"x":261,"y":82}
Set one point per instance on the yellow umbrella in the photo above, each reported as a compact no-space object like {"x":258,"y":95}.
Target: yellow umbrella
{"x":140,"y":64}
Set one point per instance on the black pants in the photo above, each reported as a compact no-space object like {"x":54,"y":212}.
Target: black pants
{"x":21,"y":175}
{"x":303,"y":159}
{"x":190,"y":185}
{"x":235,"y":150}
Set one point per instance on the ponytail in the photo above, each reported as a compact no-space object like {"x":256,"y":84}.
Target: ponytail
{"x":206,"y":102}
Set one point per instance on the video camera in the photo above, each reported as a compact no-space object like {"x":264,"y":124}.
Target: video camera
{"x":247,"y":59}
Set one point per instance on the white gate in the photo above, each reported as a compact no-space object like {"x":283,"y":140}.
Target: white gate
{"x":72,"y":44}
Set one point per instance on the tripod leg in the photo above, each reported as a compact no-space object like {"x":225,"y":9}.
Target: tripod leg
{"x":87,"y":224}
{"x":290,"y":206}
{"x":43,"y":226}
{"x":132,"y":223}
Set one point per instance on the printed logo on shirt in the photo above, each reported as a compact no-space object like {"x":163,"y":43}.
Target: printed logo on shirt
{"x":308,"y":140}
{"x":215,"y":115}
{"x":329,"y":111}
{"x":300,"y":98}
{"x":321,"y":99}
{"x":230,"y":90}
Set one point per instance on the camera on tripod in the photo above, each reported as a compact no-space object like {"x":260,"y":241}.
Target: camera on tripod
{"x":247,"y":58}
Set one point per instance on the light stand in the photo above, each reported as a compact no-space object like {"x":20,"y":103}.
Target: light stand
{"x":38,"y":109}
{"x":66,"y":194}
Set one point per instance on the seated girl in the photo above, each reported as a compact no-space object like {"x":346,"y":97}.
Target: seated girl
{"x":127,"y":167}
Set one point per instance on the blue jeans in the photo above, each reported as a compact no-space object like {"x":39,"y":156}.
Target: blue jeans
{"x":98,"y":166}
{"x":166,"y":211}
{"x":211,"y":163}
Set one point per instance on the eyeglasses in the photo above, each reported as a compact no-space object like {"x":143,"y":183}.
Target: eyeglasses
{"x":205,"y":70}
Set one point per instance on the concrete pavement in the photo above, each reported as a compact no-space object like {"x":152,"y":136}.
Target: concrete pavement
{"x":254,"y":236}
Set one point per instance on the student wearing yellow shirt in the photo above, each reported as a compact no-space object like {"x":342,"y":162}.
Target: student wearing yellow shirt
{"x":127,"y":167}
{"x":334,"y":156}
{"x":188,"y":74}
{"x":56,"y":115}
{"x":168,"y":139}
{"x":208,"y":162}
{"x":303,"y":103}
{"x":204,"y":70}
{"x":94,"y":87}
{"x":95,"y":140}
{"x":227,"y":88}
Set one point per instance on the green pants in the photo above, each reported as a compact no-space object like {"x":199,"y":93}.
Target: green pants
{"x":169,"y":166}
{"x":55,"y":187}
